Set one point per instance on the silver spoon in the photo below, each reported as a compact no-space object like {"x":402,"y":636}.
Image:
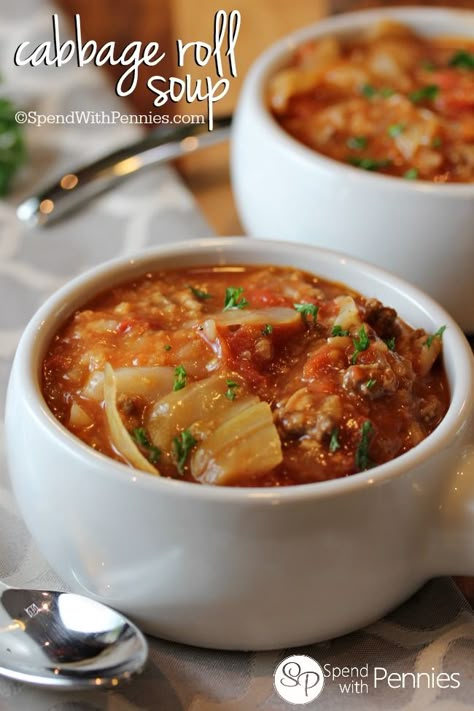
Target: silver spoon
{"x":65,"y":640}
{"x":75,"y":187}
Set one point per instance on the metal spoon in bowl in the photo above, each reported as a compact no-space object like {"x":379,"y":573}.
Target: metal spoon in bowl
{"x":65,"y":640}
{"x":77,"y":186}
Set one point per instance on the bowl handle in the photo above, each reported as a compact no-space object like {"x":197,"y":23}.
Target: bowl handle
{"x":453,"y":552}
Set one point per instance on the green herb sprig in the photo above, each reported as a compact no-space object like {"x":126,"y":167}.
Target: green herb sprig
{"x":371,"y":92}
{"x":180,"y":378}
{"x":411,"y":174}
{"x":199,"y":294}
{"x":362,"y":458}
{"x":361,"y":343}
{"x":140,"y":436}
{"x":395,"y":129}
{"x":357,"y":143}
{"x":234,"y":299}
{"x":307,"y":310}
{"x":438,"y":334}
{"x":424,"y":93}
{"x":231,"y":392}
{"x":339,"y":331}
{"x":462,"y":60}
{"x":182,"y":446}
{"x":370,"y":164}
{"x":334,"y":443}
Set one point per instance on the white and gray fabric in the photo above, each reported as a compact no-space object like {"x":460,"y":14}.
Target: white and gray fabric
{"x":434,"y":631}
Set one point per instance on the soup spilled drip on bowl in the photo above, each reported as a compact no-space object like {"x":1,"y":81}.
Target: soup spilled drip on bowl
{"x":387,"y":101}
{"x":244,"y":376}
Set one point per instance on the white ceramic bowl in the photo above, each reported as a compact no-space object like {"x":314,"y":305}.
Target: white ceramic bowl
{"x":422,"y":231}
{"x":242,"y":568}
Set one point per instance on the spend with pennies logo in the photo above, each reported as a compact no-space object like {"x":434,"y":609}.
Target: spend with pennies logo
{"x":298,"y":679}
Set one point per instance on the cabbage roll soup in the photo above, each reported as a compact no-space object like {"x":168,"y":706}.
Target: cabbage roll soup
{"x":244,"y":376}
{"x":389,"y":101}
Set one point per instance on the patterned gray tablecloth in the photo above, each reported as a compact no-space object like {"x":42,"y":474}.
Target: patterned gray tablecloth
{"x":433,"y":632}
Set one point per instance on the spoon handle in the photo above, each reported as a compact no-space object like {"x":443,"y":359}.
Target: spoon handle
{"x":74,"y":188}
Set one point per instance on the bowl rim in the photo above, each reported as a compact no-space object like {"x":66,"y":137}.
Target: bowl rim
{"x":76,"y":292}
{"x":264,"y":66}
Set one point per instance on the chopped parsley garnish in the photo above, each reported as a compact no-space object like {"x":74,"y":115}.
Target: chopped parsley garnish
{"x":141,"y":438}
{"x":357,"y":143}
{"x":267,"y":329}
{"x":370,"y":383}
{"x":362,"y":458}
{"x":411,"y":174}
{"x":370,"y":91}
{"x":167,"y":347}
{"x":390,"y":343}
{"x":436,"y":142}
{"x":339,"y":331}
{"x":369,"y":163}
{"x":199,"y":294}
{"x":234,"y":298}
{"x":182,"y":445}
{"x":462,"y":60}
{"x":429,"y":66}
{"x":438,"y":334}
{"x":307,"y":310}
{"x":180,"y":376}
{"x":361,"y":343}
{"x":232,"y":386}
{"x":425,"y":93}
{"x":334,"y":443}
{"x":395,"y":129}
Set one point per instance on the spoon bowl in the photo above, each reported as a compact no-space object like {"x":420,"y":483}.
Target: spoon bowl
{"x":66,"y":640}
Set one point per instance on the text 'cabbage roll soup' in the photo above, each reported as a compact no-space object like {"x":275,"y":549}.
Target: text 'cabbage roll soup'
{"x":385,"y":100}
{"x":244,"y":376}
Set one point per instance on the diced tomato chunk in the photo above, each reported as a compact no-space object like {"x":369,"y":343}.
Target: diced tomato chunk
{"x":249,"y":371}
{"x":258,"y":297}
{"x":328,"y":310}
{"x":461,"y":99}
{"x":446,"y":79}
{"x":369,"y":356}
{"x":240,"y":340}
{"x":324,"y":360}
